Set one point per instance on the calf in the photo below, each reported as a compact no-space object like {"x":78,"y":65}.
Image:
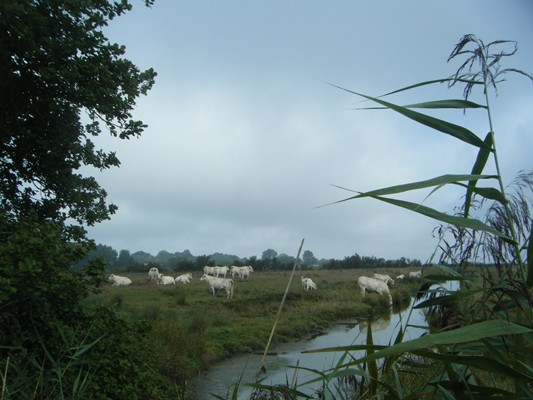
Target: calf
{"x":219,"y":284}
{"x":369,"y":285}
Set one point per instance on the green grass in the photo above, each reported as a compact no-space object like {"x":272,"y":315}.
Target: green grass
{"x":191,"y":328}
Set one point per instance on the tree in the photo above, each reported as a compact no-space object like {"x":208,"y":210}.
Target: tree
{"x":308,"y":258}
{"x":61,"y":83}
{"x":58,"y":70}
{"x":106,"y":253}
{"x":125,"y":259}
{"x":269,"y":254}
{"x":202,"y":261}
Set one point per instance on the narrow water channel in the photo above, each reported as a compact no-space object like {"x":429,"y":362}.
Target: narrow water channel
{"x":221,"y":378}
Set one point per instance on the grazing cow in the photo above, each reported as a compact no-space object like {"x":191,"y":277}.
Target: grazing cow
{"x":415,"y":274}
{"x":184,"y":278}
{"x":368,"y":285}
{"x":400,"y":277}
{"x":219,"y":284}
{"x":165,"y":280}
{"x":385,"y":278}
{"x":119,"y":280}
{"x":308,"y":283}
{"x":153,"y":274}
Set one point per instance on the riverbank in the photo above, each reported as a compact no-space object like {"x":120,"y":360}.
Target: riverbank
{"x":235,"y":374}
{"x":192,"y":330}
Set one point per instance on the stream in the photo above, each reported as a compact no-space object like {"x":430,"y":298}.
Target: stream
{"x":221,"y":378}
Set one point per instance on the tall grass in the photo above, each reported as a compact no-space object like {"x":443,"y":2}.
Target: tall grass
{"x":480,"y":340}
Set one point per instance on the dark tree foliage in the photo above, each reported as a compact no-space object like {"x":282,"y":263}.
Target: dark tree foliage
{"x":61,"y":83}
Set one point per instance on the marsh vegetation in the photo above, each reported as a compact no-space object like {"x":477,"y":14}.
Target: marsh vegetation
{"x":191,"y":329}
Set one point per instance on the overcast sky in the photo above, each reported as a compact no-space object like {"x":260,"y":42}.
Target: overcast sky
{"x":245,"y":138}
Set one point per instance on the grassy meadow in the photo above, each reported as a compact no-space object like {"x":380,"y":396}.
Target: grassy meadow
{"x":192,"y":329}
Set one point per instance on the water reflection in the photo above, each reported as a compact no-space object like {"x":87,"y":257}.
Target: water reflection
{"x":221,"y":378}
{"x":377,"y":324}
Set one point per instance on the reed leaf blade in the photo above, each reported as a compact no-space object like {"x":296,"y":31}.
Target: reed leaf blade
{"x":529,"y":279}
{"x":479,"y":166}
{"x":469,"y":333}
{"x":468,"y":223}
{"x":440,"y":125}
{"x":433,"y":182}
{"x":437,"y":104}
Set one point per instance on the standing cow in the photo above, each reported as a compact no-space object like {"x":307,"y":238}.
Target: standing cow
{"x":369,"y":285}
{"x":153,"y":274}
{"x":219,"y":284}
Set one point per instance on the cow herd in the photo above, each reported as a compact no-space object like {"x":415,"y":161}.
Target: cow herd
{"x":215,"y":277}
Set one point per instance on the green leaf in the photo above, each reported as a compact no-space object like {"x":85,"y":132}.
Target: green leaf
{"x":426,"y":83}
{"x":451,"y":103}
{"x":448,"y":128}
{"x":445,"y":298}
{"x":372,"y":364}
{"x":479,"y":165}
{"x":437,"y":104}
{"x":470,"y":333}
{"x":529,"y":279}
{"x":480,"y":362}
{"x":438,"y":181}
{"x":450,"y":219}
{"x":488,"y":193}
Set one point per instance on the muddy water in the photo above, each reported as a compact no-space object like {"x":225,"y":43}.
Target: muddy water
{"x":221,"y":378}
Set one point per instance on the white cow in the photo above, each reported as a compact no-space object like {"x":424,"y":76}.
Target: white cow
{"x":308,"y":283}
{"x":368,"y":285}
{"x":234,"y":270}
{"x":165,"y":280}
{"x":210,"y":270}
{"x":400,"y":277}
{"x":219,"y":284}
{"x":119,"y":280}
{"x":153,"y":273}
{"x":415,"y":274}
{"x":385,"y":278}
{"x":242,"y":272}
{"x":184,"y":278}
{"x":221,"y":271}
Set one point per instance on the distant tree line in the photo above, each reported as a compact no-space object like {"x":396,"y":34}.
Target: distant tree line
{"x":270,"y":260}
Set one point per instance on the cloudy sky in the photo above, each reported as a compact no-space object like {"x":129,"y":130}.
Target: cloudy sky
{"x":246,"y":137}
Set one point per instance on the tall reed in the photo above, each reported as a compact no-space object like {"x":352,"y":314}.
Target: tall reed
{"x":485,"y":348}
